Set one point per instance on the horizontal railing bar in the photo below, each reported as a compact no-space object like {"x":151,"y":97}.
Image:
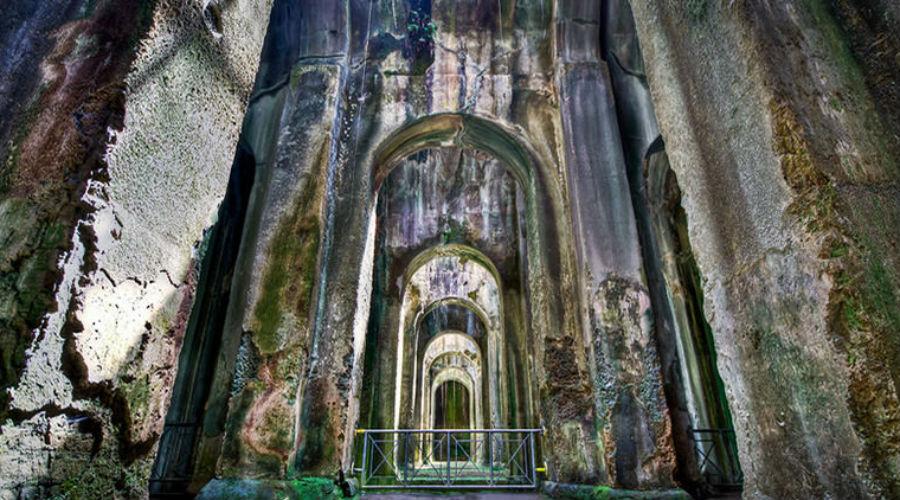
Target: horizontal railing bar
{"x":448,"y":459}
{"x":439,"y":431}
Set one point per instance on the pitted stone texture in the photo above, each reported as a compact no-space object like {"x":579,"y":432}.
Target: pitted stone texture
{"x":780,"y":160}
{"x":116,"y":331}
{"x":168,"y":169}
{"x":43,"y":382}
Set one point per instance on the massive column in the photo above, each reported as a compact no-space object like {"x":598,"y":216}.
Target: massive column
{"x":268,"y":346}
{"x":633,"y":427}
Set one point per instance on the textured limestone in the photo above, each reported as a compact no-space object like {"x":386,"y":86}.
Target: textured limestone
{"x":105,"y":352}
{"x":790,"y":185}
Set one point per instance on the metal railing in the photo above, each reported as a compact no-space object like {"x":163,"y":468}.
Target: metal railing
{"x":448,"y":459}
{"x":717,"y":457}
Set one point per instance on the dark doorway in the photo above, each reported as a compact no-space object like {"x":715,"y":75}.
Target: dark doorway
{"x":451,"y":411}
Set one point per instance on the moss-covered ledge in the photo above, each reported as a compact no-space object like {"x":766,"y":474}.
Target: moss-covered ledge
{"x":328,"y":488}
{"x":299,"y":489}
{"x":590,"y":492}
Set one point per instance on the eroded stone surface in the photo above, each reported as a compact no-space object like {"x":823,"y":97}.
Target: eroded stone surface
{"x":775,"y":156}
{"x":381,"y":131}
{"x":125,"y":89}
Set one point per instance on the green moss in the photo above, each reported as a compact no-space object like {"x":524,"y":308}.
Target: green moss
{"x":587,"y":492}
{"x":28,"y":271}
{"x":836,"y":40}
{"x":289,"y":279}
{"x":318,"y":446}
{"x":104,"y":476}
{"x":838,"y":250}
{"x":34,"y":294}
{"x":816,"y":197}
{"x":237,"y":415}
{"x":852,"y":314}
{"x":88,"y":485}
{"x":137,"y":393}
{"x":790,"y":367}
{"x":696,"y":9}
{"x":881,"y":294}
{"x":863,"y":307}
{"x":288,"y":368}
{"x":300,"y":488}
{"x":855,"y":90}
{"x":315,"y":487}
{"x":835,"y":104}
{"x":277,"y":428}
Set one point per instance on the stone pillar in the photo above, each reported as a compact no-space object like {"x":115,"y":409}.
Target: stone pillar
{"x":640,"y":141}
{"x":632,"y":425}
{"x":344,"y":281}
{"x":250,"y":429}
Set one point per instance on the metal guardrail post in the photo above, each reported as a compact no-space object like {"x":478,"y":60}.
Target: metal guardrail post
{"x":531,"y":445}
{"x":448,"y":458}
{"x":365,"y":463}
{"x":405,"y":455}
{"x":490,"y":440}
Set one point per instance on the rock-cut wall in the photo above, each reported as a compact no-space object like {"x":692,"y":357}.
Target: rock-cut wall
{"x":120,"y":121}
{"x":780,"y":123}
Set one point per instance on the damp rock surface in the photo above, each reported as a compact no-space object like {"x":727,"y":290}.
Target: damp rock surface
{"x":783,"y":161}
{"x":123,"y":119}
{"x":274,"y":222}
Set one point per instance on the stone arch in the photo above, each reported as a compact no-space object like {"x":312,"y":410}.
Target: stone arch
{"x":454,"y":374}
{"x":452,"y":342}
{"x":464,"y":378}
{"x":453,"y":249}
{"x":456,"y":301}
{"x":438,"y":275}
{"x":548,"y":253}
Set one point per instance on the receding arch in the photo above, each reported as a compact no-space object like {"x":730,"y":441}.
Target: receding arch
{"x":547,"y":223}
{"x":546,"y":254}
{"x":451,"y":250}
{"x":442,"y":274}
{"x":443,"y":380}
{"x":459,"y":359}
{"x":474,"y":321}
{"x":460,"y":130}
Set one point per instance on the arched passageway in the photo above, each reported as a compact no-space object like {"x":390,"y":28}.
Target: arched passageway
{"x":452,"y":406}
{"x":441,"y":275}
{"x":452,"y":403}
{"x":459,"y":252}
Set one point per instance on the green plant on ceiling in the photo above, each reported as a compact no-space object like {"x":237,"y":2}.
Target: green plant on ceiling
{"x":420,"y":34}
